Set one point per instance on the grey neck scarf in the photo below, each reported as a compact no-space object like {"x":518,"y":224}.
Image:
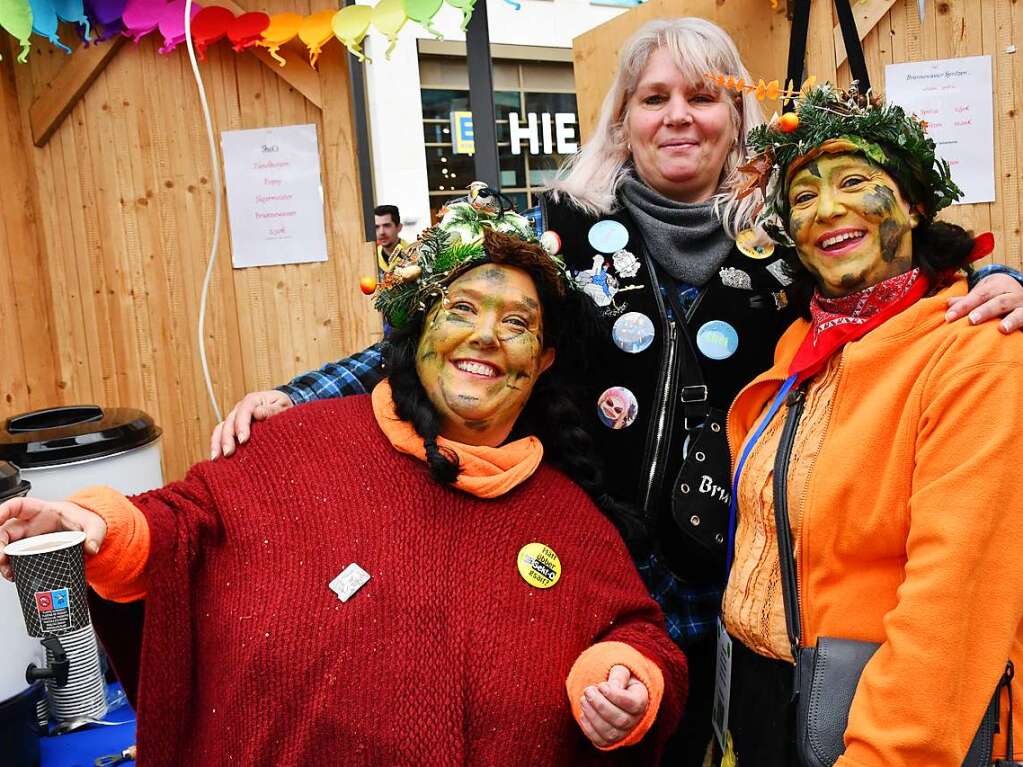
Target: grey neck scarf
{"x":687,"y":240}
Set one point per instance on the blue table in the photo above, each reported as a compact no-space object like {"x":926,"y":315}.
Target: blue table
{"x":81,"y":747}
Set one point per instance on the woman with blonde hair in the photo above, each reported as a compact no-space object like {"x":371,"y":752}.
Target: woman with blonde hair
{"x":647,"y":220}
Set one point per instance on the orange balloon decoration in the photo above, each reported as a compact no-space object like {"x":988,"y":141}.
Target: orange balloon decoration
{"x":283,"y":27}
{"x":316,"y":32}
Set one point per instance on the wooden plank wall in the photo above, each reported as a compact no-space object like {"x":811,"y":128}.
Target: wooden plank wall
{"x":123,"y":215}
{"x":27,"y":351}
{"x":951,"y":28}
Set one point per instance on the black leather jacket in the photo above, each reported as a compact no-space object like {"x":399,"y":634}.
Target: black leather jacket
{"x":732,"y":323}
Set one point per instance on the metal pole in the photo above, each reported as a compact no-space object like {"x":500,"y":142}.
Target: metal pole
{"x":481,"y":97}
{"x":363,"y":150}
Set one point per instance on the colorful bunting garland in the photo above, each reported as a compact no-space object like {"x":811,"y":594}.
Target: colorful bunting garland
{"x":99,"y":20}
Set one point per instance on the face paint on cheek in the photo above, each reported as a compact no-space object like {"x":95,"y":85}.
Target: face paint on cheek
{"x":891,"y":234}
{"x":529,"y":349}
{"x":451,"y":318}
{"x":879,"y":201}
{"x":797,"y":223}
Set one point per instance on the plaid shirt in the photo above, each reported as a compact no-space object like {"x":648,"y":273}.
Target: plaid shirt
{"x":357,"y":374}
{"x":690,"y":612}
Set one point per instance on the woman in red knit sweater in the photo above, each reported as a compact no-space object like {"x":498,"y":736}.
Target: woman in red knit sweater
{"x":356,"y":607}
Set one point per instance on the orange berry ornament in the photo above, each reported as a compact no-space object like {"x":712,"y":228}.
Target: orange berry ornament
{"x":368,"y":285}
{"x":788,"y":122}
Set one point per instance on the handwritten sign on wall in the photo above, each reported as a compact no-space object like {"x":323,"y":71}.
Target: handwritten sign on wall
{"x":954,"y":97}
{"x":274,"y":195}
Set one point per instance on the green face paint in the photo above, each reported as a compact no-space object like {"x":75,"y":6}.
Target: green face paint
{"x":892,"y":233}
{"x":480,"y":354}
{"x":880,"y":201}
{"x":851,"y":226}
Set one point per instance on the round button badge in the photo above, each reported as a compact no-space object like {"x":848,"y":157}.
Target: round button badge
{"x":717,"y":340}
{"x":550,"y":242}
{"x":746,"y":242}
{"x":633,"y":332}
{"x":538,"y":565}
{"x":608,"y":236}
{"x":617,"y":407}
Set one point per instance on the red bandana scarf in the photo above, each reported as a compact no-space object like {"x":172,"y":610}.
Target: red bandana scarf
{"x":837,"y":321}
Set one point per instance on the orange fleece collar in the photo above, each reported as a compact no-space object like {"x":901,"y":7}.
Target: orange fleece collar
{"x":486,"y":472}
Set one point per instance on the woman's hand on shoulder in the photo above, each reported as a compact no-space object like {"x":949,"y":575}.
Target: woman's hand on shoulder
{"x":257,"y":406}
{"x":612,"y":709}
{"x":25,"y":517}
{"x":997,"y":296}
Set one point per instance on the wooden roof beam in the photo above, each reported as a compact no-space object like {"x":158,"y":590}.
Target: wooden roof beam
{"x":72,"y":81}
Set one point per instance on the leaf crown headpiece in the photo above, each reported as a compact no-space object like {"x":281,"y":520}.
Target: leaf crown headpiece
{"x":422,"y":272}
{"x":827,"y":119}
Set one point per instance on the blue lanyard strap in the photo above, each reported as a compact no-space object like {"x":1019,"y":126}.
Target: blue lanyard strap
{"x":734,"y":505}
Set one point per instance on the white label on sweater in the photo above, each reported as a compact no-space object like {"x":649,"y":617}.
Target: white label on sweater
{"x":348,"y":581}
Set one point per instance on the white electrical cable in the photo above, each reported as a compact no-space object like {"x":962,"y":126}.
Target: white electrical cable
{"x":215,"y":162}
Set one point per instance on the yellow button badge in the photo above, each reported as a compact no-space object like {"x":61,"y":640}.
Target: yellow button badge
{"x":538,"y":565}
{"x":748,"y":245}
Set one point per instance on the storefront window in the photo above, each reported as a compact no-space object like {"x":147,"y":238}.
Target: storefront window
{"x":522,"y":88}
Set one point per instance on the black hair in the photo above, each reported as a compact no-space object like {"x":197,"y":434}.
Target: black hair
{"x":551,"y":413}
{"x":388,"y":210}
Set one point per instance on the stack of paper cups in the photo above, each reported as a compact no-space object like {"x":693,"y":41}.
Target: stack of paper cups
{"x":49,"y":571}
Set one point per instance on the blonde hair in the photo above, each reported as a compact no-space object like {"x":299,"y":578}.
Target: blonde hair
{"x":592,"y":176}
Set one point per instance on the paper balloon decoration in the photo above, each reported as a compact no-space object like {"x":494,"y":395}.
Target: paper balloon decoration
{"x":466,"y":7}
{"x":316,"y":32}
{"x":172,"y":24}
{"x":389,"y":17}
{"x":141,"y":17}
{"x":208,"y":26}
{"x":72,"y":11}
{"x":422,"y":12}
{"x":107,"y":14}
{"x":350,"y":25}
{"x":16,"y":18}
{"x":245,"y":31}
{"x":283,"y":27}
{"x":44,"y":22}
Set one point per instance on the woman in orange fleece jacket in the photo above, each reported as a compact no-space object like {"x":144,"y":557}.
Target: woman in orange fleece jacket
{"x":359,"y":607}
{"x":894,"y":439}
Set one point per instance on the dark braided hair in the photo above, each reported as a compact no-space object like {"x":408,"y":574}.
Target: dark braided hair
{"x":551,"y":414}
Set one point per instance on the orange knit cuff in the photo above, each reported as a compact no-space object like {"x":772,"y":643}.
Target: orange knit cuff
{"x":592,"y":667}
{"x":117,"y":572}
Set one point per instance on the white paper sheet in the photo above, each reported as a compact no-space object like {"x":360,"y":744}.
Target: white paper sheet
{"x":274,"y":195}
{"x":954,"y":97}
